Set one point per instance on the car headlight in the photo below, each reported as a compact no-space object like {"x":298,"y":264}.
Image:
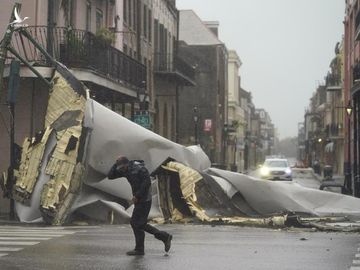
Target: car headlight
{"x":264,"y":171}
{"x":288,"y":171}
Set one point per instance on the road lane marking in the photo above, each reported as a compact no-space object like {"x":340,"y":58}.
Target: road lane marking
{"x":16,"y":238}
{"x":34,"y":228}
{"x":18,"y":243}
{"x":356,"y":261}
{"x":29,"y":234}
{"x":7,"y":249}
{"x":37,"y":231}
{"x":357,"y":255}
{"x":355,"y":268}
{"x":25,"y":238}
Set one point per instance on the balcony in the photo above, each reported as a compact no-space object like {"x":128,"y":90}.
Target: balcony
{"x":81,"y":49}
{"x":357,"y":33}
{"x":357,"y":26}
{"x":333,"y":82}
{"x":333,"y":131}
{"x":166,"y":65}
{"x":315,"y":134}
{"x":356,"y":79}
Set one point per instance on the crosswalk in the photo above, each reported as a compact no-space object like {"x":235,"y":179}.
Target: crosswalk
{"x":356,"y":261}
{"x":16,"y":238}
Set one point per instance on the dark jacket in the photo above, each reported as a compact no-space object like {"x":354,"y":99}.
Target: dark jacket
{"x":138,"y":178}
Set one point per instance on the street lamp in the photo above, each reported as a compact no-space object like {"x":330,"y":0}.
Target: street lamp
{"x":142,"y":116}
{"x":196,"y":120}
{"x":142,"y":96}
{"x":349,"y":109}
{"x":142,"y":100}
{"x":348,"y":176}
{"x":234,"y":167}
{"x":246,"y":150}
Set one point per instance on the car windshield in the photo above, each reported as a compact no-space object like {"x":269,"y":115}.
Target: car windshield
{"x":275,"y":163}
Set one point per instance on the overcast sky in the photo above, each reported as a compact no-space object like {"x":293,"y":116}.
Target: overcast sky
{"x":285,"y":46}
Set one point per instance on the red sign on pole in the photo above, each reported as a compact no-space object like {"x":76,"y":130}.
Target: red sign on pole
{"x":207,"y":124}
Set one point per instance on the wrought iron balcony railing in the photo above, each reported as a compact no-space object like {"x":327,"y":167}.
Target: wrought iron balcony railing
{"x":356,"y":73}
{"x":356,"y":79}
{"x":333,"y":130}
{"x":81,"y":49}
{"x":168,"y":63}
{"x":333,"y":82}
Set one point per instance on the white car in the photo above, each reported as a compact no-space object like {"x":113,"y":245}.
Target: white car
{"x":276,"y":169}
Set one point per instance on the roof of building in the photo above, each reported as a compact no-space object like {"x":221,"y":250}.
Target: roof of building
{"x":245,"y":93}
{"x":194,"y":31}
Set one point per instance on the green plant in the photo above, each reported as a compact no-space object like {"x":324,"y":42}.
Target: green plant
{"x":105,"y":36}
{"x":75,"y":45}
{"x":235,"y":124}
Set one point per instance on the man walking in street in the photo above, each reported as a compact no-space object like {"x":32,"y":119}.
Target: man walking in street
{"x":140,"y":182}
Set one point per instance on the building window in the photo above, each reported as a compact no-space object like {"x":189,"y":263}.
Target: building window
{"x":71,"y":12}
{"x":130,"y":14}
{"x":88,"y":15}
{"x":135,"y":15}
{"x":99,"y":19}
{"x":165,"y":123}
{"x":125,"y":15}
{"x":134,"y":12}
{"x":157,"y":118}
{"x":149,"y":25}
{"x":156,"y":36}
{"x":145,"y":22}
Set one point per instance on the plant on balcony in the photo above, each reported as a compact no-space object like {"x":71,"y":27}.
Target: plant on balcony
{"x":235,"y":124}
{"x":105,"y":36}
{"x":75,"y":45}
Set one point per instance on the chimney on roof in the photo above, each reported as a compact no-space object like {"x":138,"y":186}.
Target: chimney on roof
{"x":213,"y":27}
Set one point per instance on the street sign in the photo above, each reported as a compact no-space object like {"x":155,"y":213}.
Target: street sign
{"x":142,"y":118}
{"x":207,"y":124}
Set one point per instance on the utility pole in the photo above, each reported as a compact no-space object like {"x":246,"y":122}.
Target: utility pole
{"x":4,"y":44}
{"x":50,"y":28}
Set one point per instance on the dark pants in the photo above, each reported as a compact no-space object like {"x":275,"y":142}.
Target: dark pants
{"x":139,"y":225}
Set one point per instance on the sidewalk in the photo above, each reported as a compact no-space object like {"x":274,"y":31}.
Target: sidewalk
{"x":4,"y":220}
{"x":339,"y":179}
{"x":334,"y":184}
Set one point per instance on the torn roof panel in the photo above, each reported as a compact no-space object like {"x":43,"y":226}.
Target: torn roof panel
{"x":113,"y":135}
{"x":271,"y":197}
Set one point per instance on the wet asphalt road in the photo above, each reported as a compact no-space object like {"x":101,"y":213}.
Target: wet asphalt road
{"x":194,"y":247}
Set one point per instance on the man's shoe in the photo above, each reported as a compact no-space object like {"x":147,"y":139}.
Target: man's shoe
{"x":135,"y":253}
{"x":167,"y":242}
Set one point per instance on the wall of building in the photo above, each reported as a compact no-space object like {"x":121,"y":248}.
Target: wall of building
{"x":235,"y":113}
{"x":233,"y":77}
{"x":165,"y":124}
{"x":164,"y":40}
{"x":209,"y":97}
{"x":30,"y":109}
